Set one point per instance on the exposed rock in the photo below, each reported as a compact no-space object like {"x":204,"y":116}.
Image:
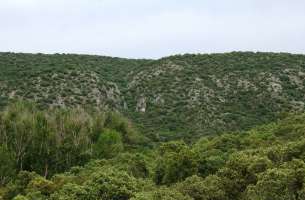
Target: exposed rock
{"x":141,"y":104}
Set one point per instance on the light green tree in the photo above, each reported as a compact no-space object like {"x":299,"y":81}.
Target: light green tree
{"x":109,"y":144}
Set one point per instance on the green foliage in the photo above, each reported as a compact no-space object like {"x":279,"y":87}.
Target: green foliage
{"x":117,"y":122}
{"x":7,"y":166}
{"x":19,"y":185}
{"x":184,"y":96}
{"x":41,"y":185}
{"x":109,"y":144}
{"x":71,"y":191}
{"x":135,"y":164}
{"x":20,"y":197}
{"x":284,"y":183}
{"x":53,"y":140}
{"x":111,"y":184}
{"x":266,"y":162}
{"x":210,"y":188}
{"x":161,"y":194}
{"x":175,"y":164}
{"x":240,"y":171}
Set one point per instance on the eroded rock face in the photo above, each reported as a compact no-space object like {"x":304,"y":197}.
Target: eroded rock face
{"x":141,"y":105}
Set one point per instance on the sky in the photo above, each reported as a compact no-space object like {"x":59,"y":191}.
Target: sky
{"x":151,"y":28}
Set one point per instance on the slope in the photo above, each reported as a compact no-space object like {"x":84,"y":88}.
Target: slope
{"x":178,"y":96}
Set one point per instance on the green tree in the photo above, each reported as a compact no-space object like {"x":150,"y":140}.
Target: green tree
{"x":161,"y":194}
{"x":41,"y":185}
{"x":21,"y":197}
{"x":176,"y":162}
{"x":117,"y":122}
{"x":111,"y":184}
{"x":109,"y":144}
{"x":135,"y":164}
{"x":210,"y":188}
{"x":7,"y":166}
{"x":240,"y":171}
{"x":71,"y":192}
{"x":284,"y":183}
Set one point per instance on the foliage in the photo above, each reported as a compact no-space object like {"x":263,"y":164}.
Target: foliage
{"x":71,"y":191}
{"x":7,"y":166}
{"x":210,"y":188}
{"x":177,"y":97}
{"x":111,"y":184}
{"x":161,"y":194}
{"x":175,"y":164}
{"x":266,"y":162}
{"x":109,"y":144}
{"x":60,"y":138}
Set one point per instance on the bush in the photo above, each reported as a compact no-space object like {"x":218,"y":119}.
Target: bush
{"x":112,"y":184}
{"x":161,"y":194}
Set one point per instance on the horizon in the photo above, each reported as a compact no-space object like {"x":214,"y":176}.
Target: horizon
{"x":162,"y":57}
{"x":152,"y":29}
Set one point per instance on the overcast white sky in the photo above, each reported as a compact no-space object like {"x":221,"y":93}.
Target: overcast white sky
{"x":151,"y":28}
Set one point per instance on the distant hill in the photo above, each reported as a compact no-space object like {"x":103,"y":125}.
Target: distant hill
{"x":177,"y":96}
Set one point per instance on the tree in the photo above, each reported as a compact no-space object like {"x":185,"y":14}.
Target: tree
{"x":109,"y":144}
{"x":41,"y":185}
{"x":42,"y":146}
{"x":21,"y":197}
{"x":71,"y":192}
{"x":161,"y":194}
{"x":176,"y":162}
{"x":210,"y":188}
{"x":284,"y":183}
{"x":240,"y":171}
{"x":111,"y":184}
{"x":7,"y":166}
{"x":274,"y":184}
{"x":117,"y":122}
{"x":134,"y":164}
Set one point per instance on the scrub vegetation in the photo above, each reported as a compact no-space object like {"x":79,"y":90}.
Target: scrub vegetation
{"x":177,"y":97}
{"x":186,"y":127}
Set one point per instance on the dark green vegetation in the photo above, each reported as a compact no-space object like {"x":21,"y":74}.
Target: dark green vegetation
{"x":184,"y":96}
{"x":71,"y":154}
{"x":192,"y":127}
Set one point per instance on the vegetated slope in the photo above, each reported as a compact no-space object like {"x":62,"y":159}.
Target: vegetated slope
{"x":196,"y":94}
{"x":266,"y":162}
{"x":64,"y":80}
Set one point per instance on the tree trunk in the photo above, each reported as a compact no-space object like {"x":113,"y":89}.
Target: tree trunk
{"x":46,"y":170}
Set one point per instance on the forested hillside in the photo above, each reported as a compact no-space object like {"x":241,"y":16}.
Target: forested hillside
{"x":186,"y":127}
{"x":183,"y":96}
{"x":75,"y":154}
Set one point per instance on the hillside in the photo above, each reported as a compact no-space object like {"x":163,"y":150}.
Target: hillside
{"x":72,"y":154}
{"x":172,"y":97}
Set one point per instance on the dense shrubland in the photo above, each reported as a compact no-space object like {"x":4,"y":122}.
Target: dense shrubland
{"x":70,"y":154}
{"x":193,"y":127}
{"x":177,"y":97}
